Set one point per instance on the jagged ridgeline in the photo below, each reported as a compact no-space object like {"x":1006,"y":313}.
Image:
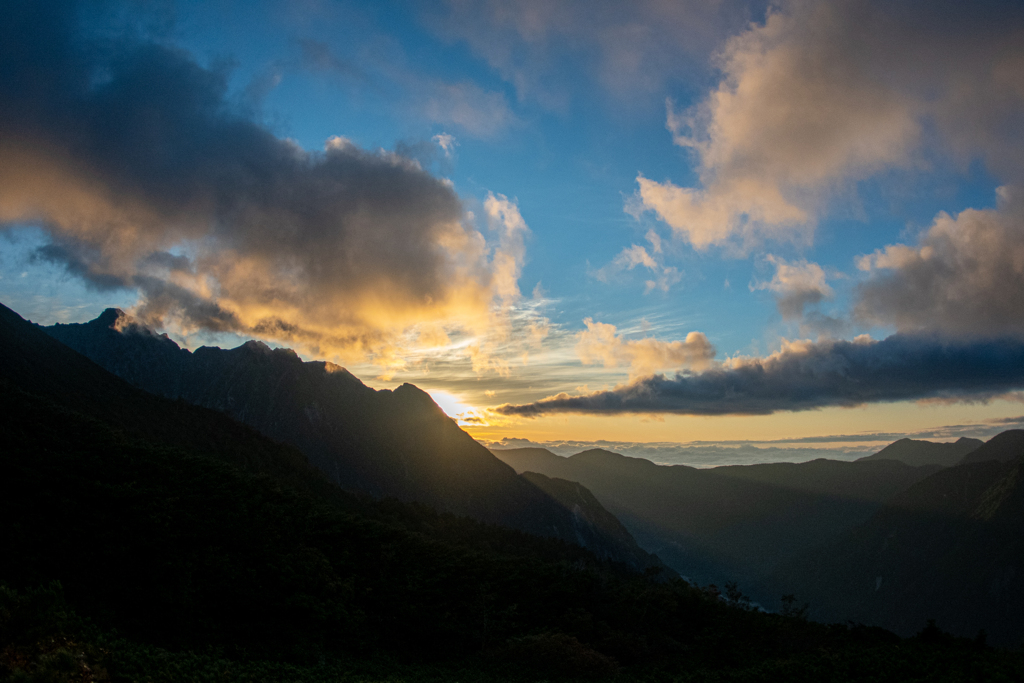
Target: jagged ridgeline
{"x":385,"y":443}
{"x":188,"y":531}
{"x":185,"y":528}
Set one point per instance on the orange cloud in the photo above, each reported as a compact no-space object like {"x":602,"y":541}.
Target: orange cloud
{"x":222,"y":226}
{"x":600,"y":343}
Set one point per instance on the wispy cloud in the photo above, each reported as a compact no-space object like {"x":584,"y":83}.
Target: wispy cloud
{"x":382,"y":67}
{"x":636,"y":255}
{"x":748,"y":451}
{"x":629,"y":49}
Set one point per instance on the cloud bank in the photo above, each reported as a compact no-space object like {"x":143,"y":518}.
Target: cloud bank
{"x":145,"y":176}
{"x":806,"y":375}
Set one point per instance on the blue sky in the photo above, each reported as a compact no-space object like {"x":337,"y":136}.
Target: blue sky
{"x":503,"y":201}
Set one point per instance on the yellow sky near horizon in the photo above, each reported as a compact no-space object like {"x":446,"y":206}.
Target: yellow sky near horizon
{"x":905,"y":417}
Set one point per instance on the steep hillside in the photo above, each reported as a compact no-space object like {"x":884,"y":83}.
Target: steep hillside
{"x":728,"y":523}
{"x":386,"y":443}
{"x":595,"y":523}
{"x":916,"y":453}
{"x":949,"y":548}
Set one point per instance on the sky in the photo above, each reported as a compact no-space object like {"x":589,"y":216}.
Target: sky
{"x":699,"y":232}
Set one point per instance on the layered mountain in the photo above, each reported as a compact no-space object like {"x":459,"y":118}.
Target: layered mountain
{"x":728,"y":523}
{"x":183,"y":528}
{"x":949,"y":548}
{"x":386,"y":443}
{"x":916,"y":453}
{"x":1007,"y":446}
{"x":151,"y":539}
{"x":594,"y":524}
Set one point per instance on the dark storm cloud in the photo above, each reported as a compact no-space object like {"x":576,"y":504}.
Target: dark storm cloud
{"x":145,"y":175}
{"x":806,"y":375}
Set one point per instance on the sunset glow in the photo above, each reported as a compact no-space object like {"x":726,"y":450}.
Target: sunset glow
{"x":727,"y":223}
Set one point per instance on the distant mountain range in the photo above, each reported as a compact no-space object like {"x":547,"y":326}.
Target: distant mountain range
{"x":728,"y":523}
{"x":917,"y":453}
{"x":950,"y":547}
{"x":919,"y":530}
{"x":386,"y":443}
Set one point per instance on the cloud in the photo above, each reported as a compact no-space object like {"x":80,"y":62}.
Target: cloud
{"x":503,"y":218}
{"x":317,"y":56}
{"x":542,"y":47}
{"x":481,"y":113}
{"x":747,"y":451}
{"x":447,"y":143}
{"x":146,"y":177}
{"x":636,"y":255}
{"x":600,"y":343}
{"x":825,"y":94}
{"x":691,"y":455}
{"x":628,"y":259}
{"x":805,"y":375}
{"x":796,"y":285}
{"x":964,"y":277}
{"x":478,"y":112}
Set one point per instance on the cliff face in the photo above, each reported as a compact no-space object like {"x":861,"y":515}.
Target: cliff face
{"x":386,"y":443}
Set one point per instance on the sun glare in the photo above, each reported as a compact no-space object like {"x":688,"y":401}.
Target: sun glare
{"x":452,"y":405}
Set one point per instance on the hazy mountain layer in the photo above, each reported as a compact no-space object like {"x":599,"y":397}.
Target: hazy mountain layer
{"x":916,"y":453}
{"x":951,"y":547}
{"x":386,"y":443}
{"x":728,"y":523}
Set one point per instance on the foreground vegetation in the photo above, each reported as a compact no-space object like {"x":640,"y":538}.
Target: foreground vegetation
{"x":189,"y":567}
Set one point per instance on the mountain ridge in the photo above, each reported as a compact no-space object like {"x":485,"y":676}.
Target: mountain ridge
{"x":731,"y":523}
{"x":915,"y":452}
{"x":386,"y":443}
{"x":949,"y":548}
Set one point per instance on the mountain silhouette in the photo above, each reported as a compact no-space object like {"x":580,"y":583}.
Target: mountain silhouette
{"x":1007,"y":446}
{"x":728,"y":523}
{"x":948,"y":548}
{"x":386,"y":443}
{"x":916,"y":453}
{"x":146,"y":538}
{"x":184,"y":528}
